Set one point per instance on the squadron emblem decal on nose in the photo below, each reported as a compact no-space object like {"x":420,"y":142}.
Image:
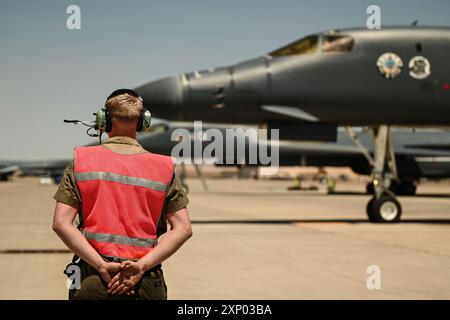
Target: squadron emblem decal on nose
{"x":419,"y":67}
{"x":390,"y":65}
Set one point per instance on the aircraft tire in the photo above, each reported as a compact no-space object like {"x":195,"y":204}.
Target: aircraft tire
{"x":386,"y":209}
{"x":369,"y":209}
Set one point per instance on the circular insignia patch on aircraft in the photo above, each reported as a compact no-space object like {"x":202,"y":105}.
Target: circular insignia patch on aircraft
{"x":419,"y":67}
{"x":390,"y":65}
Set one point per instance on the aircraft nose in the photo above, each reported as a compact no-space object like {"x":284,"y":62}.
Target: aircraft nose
{"x":163,"y":97}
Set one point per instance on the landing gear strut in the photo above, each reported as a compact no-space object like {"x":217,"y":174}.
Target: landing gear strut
{"x":383,"y":207}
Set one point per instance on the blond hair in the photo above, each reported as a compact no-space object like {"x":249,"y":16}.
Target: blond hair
{"x":124,"y":107}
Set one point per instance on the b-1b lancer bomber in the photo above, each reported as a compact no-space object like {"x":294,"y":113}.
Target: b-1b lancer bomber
{"x":353,"y":77}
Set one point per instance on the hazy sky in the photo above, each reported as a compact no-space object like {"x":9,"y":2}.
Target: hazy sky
{"x":48,"y":73}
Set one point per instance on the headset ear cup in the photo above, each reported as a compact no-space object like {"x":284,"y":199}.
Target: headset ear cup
{"x":101,"y":120}
{"x":145,"y":120}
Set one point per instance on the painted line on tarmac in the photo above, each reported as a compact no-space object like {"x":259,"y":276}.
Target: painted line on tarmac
{"x":282,"y":221}
{"x":34,"y":251}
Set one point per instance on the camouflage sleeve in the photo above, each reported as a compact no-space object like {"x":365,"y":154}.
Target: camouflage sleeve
{"x":67,"y":192}
{"x":176,"y":198}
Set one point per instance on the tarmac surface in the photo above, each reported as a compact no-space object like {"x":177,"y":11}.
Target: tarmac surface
{"x":255,"y":240}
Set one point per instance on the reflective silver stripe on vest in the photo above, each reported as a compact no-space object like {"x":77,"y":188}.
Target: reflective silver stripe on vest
{"x":115,"y":238}
{"x":114,"y":177}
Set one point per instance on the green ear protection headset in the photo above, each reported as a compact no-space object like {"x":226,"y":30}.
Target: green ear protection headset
{"x":103,"y":118}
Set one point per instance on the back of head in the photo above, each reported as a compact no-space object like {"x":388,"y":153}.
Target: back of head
{"x":124,"y":106}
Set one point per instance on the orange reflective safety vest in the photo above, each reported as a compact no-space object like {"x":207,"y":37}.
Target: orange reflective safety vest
{"x":122,"y":197}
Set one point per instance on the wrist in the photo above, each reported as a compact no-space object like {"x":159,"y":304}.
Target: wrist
{"x":142,"y":266}
{"x":100,"y":265}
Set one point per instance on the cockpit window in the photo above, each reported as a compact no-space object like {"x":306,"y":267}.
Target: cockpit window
{"x":337,"y":43}
{"x":302,"y":46}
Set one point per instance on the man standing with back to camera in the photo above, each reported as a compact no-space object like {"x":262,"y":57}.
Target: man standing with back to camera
{"x":124,"y":197}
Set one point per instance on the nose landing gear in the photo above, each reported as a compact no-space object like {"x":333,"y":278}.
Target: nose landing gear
{"x":383,"y":207}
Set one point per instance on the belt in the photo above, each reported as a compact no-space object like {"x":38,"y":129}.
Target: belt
{"x":156,"y":269}
{"x":153,"y":272}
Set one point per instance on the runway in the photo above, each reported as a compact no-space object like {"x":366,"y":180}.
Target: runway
{"x":255,"y":240}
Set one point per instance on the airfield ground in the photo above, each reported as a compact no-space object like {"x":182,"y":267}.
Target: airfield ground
{"x":255,"y":240}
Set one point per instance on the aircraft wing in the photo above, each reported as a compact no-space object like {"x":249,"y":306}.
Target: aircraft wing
{"x":293,"y":112}
{"x":9,"y":169}
{"x":53,"y":167}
